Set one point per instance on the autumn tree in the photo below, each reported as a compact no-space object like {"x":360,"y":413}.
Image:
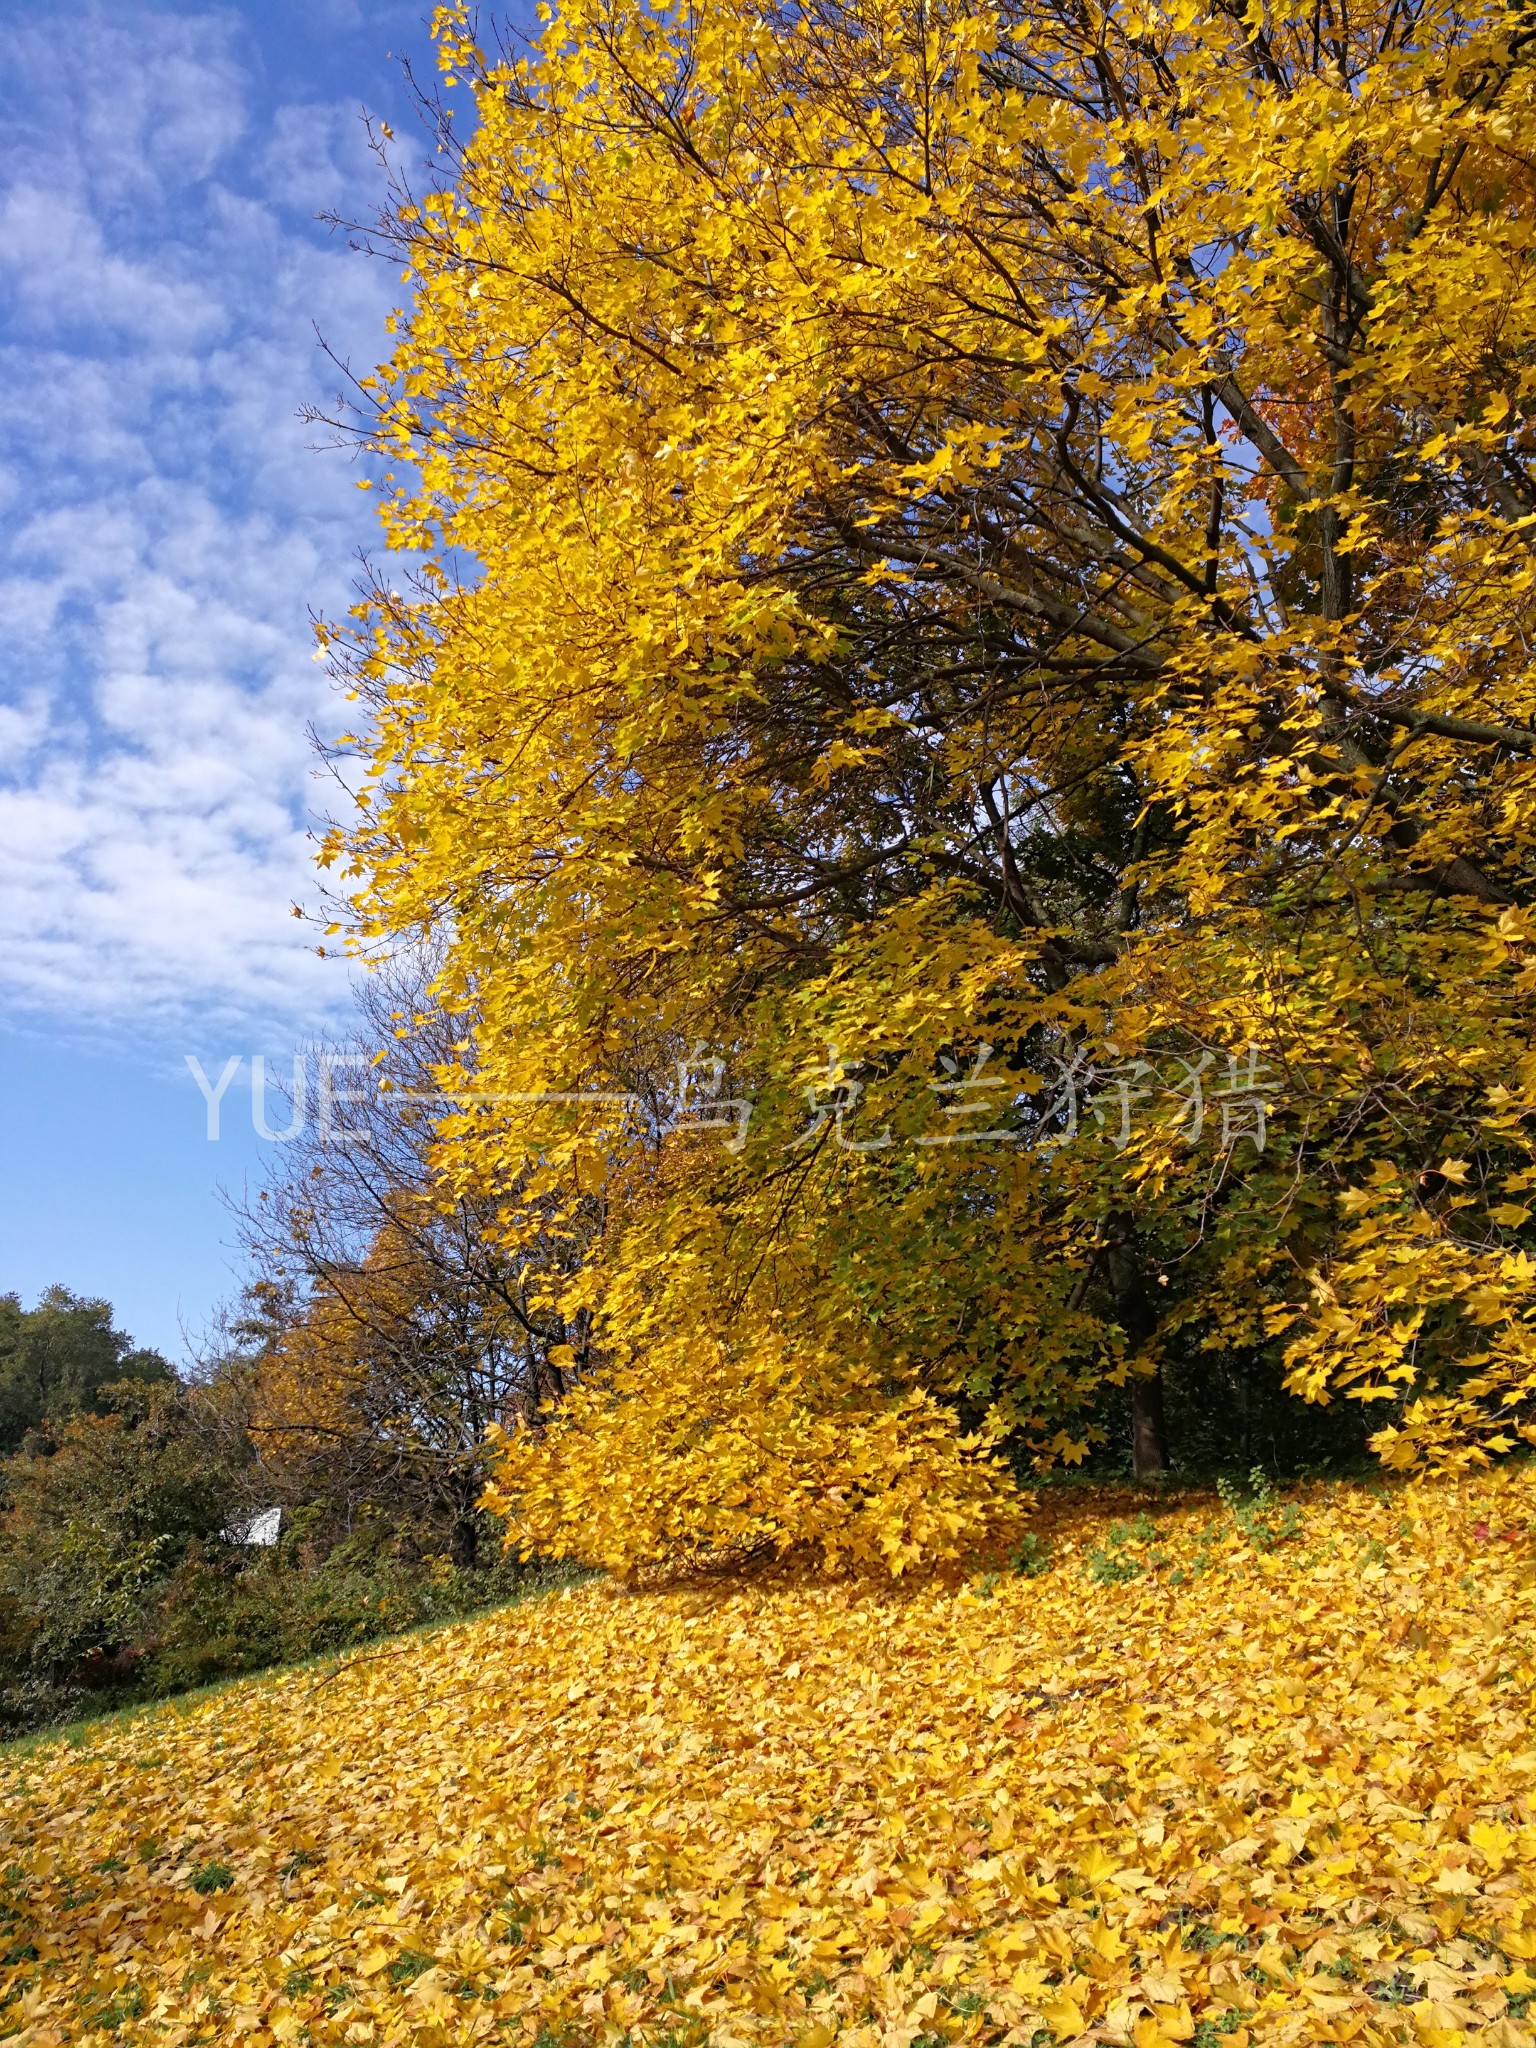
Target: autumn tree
{"x":388,"y":1325}
{"x":976,"y":569}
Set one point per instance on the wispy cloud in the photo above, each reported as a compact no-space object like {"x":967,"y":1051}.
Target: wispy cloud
{"x":165,"y":526}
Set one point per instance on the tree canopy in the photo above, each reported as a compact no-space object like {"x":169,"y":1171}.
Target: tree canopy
{"x":975,"y":590}
{"x":57,"y":1358}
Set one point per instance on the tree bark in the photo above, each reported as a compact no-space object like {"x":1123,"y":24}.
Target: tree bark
{"x":464,"y":1543}
{"x":1149,"y":1436}
{"x":1245,"y":1417}
{"x":1137,"y":1315}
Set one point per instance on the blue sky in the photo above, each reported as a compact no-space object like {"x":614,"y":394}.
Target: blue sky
{"x":167,"y":525}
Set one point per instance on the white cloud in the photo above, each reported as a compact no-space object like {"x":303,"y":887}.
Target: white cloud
{"x":61,"y":272}
{"x":314,"y":154}
{"x":167,"y":526}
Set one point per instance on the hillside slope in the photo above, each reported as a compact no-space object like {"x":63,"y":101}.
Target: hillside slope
{"x":1192,"y":1780}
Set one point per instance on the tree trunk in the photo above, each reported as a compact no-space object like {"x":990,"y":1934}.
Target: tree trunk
{"x":1137,"y":1315}
{"x":464,"y":1543}
{"x":1244,"y":1419}
{"x":1149,"y":1437}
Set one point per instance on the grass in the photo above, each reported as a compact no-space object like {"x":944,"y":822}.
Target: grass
{"x":86,"y":1728}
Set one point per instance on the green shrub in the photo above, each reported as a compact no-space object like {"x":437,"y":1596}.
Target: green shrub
{"x":218,"y":1620}
{"x":1255,"y":1512}
{"x":94,"y":1521}
{"x":116,"y":1585}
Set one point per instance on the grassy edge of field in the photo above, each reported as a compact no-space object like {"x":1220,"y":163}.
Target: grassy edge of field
{"x":80,"y":1731}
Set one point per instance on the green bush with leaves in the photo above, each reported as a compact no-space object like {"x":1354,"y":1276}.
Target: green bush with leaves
{"x":1258,"y":1512}
{"x":117,"y":1581}
{"x":95,"y":1517}
{"x":218,"y":1618}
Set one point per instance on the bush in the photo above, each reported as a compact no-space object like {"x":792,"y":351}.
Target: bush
{"x":218,"y":1620}
{"x":221,"y":1615}
{"x":95,"y":1520}
{"x":116,"y":1585}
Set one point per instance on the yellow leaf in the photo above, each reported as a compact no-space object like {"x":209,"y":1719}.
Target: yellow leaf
{"x":1493,"y":1842}
{"x":1097,"y":1867}
{"x":1065,"y":2019}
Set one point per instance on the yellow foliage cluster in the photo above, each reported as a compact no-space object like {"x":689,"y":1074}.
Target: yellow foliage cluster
{"x":1175,"y":1787}
{"x":316,"y":1380}
{"x":694,"y":1453}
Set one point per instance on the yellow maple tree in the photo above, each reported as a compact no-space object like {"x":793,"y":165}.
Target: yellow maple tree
{"x":958,"y":534}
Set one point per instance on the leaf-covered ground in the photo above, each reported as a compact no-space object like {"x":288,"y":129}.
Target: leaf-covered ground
{"x":1175,"y":1786}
